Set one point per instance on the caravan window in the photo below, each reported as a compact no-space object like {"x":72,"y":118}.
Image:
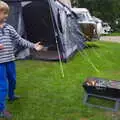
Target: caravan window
{"x":84,"y":16}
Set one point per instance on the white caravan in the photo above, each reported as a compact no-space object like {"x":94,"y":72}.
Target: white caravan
{"x":90,"y":26}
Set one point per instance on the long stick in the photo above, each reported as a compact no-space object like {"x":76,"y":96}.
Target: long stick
{"x":56,"y":39}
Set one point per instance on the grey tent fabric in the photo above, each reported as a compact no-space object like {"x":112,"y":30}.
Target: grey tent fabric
{"x":47,"y":21}
{"x":16,"y":20}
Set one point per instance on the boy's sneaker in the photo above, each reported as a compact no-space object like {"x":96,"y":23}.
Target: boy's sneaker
{"x":14,"y":98}
{"x":5,"y":114}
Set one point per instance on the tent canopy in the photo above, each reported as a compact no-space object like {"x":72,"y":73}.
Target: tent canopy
{"x":47,"y":21}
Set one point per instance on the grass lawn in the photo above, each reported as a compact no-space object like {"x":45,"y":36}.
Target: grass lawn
{"x":48,"y":96}
{"x":113,"y":34}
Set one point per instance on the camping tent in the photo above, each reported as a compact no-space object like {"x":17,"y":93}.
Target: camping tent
{"x":48,"y":21}
{"x":66,"y":2}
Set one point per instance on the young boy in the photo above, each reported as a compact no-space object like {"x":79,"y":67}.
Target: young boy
{"x":8,"y":36}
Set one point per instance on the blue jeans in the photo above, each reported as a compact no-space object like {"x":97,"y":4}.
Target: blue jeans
{"x":7,"y":82}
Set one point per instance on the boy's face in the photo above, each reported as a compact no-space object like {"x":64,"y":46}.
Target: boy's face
{"x":3,"y":16}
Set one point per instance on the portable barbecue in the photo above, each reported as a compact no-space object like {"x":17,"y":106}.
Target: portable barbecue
{"x":110,"y":88}
{"x":102,"y":88}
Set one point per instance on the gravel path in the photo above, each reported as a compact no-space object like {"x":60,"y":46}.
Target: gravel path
{"x":110,"y":38}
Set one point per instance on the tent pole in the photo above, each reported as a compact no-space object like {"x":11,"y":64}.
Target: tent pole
{"x":96,"y":53}
{"x":56,"y":39}
{"x":88,"y":59}
{"x":60,"y":61}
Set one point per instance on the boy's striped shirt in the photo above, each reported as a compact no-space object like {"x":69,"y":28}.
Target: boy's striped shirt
{"x":8,"y":38}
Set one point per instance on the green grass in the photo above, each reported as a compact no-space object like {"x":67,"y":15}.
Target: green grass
{"x":113,"y":34}
{"x":48,"y":96}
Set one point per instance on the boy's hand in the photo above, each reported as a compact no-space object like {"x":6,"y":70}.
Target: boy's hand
{"x":38,"y":47}
{"x":1,"y":47}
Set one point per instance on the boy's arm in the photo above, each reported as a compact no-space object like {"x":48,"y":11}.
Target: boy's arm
{"x":25,"y":43}
{"x":1,"y":47}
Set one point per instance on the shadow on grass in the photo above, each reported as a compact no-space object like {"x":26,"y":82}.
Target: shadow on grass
{"x":91,"y":45}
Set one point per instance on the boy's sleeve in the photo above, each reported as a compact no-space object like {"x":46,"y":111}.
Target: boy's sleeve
{"x":18,"y":39}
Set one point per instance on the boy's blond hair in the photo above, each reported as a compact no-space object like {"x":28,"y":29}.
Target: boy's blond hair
{"x":4,"y":6}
